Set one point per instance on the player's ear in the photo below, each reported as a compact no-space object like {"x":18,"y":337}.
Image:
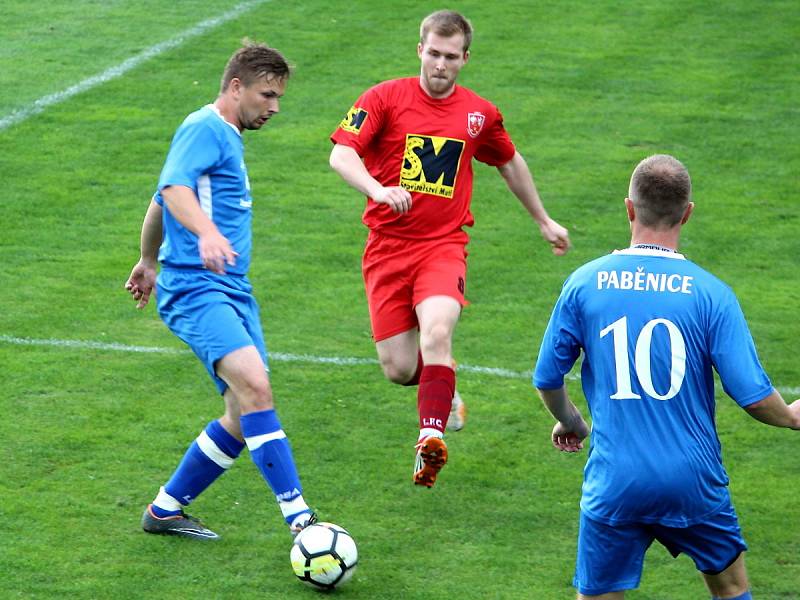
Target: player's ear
{"x":630,"y":209}
{"x":419,"y":49}
{"x":466,"y":56}
{"x":687,"y":213}
{"x":235,"y":86}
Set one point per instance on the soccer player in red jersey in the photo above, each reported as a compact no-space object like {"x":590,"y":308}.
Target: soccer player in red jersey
{"x":408,"y":145}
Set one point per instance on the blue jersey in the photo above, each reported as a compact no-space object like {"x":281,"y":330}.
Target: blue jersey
{"x":207,"y":155}
{"x":652,"y":326}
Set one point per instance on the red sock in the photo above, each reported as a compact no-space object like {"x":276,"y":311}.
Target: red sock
{"x":415,"y":379}
{"x":435,"y":395}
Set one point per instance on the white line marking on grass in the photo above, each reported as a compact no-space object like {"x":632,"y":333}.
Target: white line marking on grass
{"x":280,"y":357}
{"x":38,"y":106}
{"x":276,"y":356}
{"x":89,"y":345}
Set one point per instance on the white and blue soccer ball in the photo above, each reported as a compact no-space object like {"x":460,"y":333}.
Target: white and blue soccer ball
{"x":324,"y":556}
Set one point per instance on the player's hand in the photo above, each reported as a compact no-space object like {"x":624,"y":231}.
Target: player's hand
{"x":216,"y":252}
{"x":555,"y":235}
{"x":398,"y":199}
{"x":569,"y":438}
{"x":141,"y":282}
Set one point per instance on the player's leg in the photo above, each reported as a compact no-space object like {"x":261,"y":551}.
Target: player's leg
{"x":248,"y":400}
{"x":438,"y":297}
{"x":211,"y":454}
{"x":399,"y":357}
{"x":201,"y":321}
{"x":442,"y":271}
{"x":437,"y":316}
{"x":402,"y":363}
{"x":388,"y":285}
{"x":245,"y":373}
{"x":231,"y":420}
{"x":731,"y":583}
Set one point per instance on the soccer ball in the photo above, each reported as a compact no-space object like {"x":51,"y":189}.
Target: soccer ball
{"x":324,"y":556}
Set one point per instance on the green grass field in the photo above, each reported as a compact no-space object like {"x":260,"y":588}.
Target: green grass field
{"x":90,"y":430}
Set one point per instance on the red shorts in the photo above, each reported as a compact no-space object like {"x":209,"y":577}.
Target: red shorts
{"x":400,"y":273}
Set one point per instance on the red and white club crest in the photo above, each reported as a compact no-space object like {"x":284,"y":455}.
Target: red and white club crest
{"x":475,"y":123}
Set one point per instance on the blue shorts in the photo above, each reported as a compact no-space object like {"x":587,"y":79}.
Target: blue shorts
{"x":610,"y":557}
{"x":214,"y":314}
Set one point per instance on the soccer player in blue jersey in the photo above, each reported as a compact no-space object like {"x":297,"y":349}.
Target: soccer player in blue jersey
{"x":653,"y":326}
{"x":198,"y":227}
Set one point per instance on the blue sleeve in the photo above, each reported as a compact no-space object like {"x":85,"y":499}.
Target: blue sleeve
{"x":194,"y":150}
{"x":734,"y":355}
{"x":158,"y":198}
{"x":561,"y":344}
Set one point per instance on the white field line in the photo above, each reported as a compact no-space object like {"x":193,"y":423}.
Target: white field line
{"x":273,"y":356}
{"x":38,"y":106}
{"x":792,"y":392}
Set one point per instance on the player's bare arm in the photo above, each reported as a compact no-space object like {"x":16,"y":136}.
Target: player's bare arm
{"x":571,"y":429}
{"x":773,"y":410}
{"x":142,"y":279}
{"x":215,"y":249}
{"x":520,"y":181}
{"x":348,"y":164}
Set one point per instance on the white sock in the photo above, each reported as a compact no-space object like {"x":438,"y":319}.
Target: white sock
{"x":429,"y":432}
{"x":290,"y":508}
{"x":166,"y":502}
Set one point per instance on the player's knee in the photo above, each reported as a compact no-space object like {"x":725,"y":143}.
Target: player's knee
{"x":254,"y":395}
{"x":436,"y":339}
{"x":397,"y":371}
{"x":736,"y":588}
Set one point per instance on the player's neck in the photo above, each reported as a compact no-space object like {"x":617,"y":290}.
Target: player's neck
{"x":663,"y":238}
{"x":228,"y":111}
{"x":657,"y":239}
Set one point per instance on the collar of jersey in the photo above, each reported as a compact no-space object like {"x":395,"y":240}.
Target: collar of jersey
{"x":650,"y":252}
{"x":219,"y":114}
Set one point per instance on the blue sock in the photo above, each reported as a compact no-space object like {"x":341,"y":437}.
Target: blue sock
{"x":209,"y":456}
{"x":746,"y":596}
{"x":272,"y":454}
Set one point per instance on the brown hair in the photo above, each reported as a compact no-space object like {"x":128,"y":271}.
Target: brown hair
{"x":660,"y":190}
{"x":446,"y":23}
{"x":253,"y":61}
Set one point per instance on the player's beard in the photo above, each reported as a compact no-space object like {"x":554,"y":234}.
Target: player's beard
{"x":439,"y":85}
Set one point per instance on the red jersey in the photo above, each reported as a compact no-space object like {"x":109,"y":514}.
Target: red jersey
{"x":426,"y":145}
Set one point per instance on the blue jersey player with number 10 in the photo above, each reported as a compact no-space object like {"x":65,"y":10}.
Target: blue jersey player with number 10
{"x":198,"y":227}
{"x":653,"y":326}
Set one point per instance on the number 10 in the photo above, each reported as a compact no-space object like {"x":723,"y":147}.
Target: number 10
{"x":677,"y":367}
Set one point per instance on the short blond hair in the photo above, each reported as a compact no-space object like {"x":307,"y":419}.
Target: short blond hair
{"x":446,"y":23}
